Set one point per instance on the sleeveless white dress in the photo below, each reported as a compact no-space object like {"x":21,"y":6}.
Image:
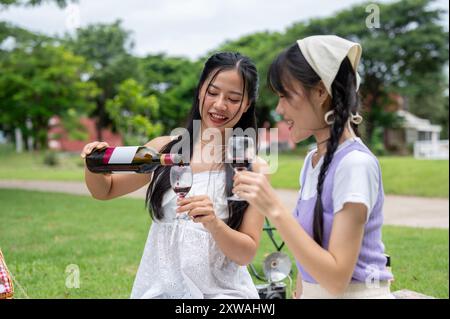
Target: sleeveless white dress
{"x":182,"y":260}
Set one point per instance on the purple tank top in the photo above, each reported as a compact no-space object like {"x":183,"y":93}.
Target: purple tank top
{"x":371,"y":263}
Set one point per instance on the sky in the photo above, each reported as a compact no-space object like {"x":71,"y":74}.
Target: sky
{"x":187,"y":28}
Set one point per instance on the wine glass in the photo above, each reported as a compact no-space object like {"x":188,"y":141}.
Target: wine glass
{"x":240,"y":153}
{"x":181,"y":181}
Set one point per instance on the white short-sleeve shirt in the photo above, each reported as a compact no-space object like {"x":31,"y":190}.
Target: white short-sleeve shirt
{"x":356,"y":179}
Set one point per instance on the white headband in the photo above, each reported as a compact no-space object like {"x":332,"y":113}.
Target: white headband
{"x":325,"y":54}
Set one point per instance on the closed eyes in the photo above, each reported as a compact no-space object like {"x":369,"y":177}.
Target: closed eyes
{"x":230,"y":99}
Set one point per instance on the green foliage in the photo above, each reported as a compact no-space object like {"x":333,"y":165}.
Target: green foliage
{"x":21,"y":36}
{"x":262,"y":47}
{"x":6,"y":3}
{"x":40,"y":81}
{"x":106,"y":48}
{"x":430,"y":100}
{"x":132,"y":112}
{"x":71,"y":123}
{"x":51,"y":158}
{"x":173,"y":81}
{"x":405,"y":56}
{"x":377,"y":142}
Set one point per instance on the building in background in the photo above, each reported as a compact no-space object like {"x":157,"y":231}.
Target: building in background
{"x":415,"y":135}
{"x":59,"y":140}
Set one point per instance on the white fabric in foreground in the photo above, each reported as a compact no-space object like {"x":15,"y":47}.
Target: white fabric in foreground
{"x":182,"y":260}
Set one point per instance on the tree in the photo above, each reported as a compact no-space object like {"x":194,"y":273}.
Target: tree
{"x":17,"y":36}
{"x":6,"y":3}
{"x":107,"y":48}
{"x":429,"y":100}
{"x":262,"y":47}
{"x":132,"y":112}
{"x":173,"y":81}
{"x":405,"y":55}
{"x":40,"y":81}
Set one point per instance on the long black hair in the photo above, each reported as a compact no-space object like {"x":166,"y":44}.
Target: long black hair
{"x":292,"y":65}
{"x":213,"y":66}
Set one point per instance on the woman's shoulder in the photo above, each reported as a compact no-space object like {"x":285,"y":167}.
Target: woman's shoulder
{"x":358,"y":161}
{"x":358,"y":157}
{"x":361,"y":157}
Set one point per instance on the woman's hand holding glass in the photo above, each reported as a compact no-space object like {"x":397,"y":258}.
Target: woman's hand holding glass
{"x":255,"y":188}
{"x":200,"y":209}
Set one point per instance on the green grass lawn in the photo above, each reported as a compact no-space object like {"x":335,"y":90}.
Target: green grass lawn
{"x":401,"y":175}
{"x":30,"y":166}
{"x":43,"y":233}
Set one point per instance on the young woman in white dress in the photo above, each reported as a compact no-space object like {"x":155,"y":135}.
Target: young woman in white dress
{"x":206,"y":255}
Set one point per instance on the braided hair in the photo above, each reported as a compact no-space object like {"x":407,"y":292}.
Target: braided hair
{"x":344,"y":102}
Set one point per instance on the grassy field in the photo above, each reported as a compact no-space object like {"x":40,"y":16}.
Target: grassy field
{"x":30,"y":166}
{"x":43,"y":233}
{"x":401,"y":175}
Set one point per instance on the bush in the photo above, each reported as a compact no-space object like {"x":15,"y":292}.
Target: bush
{"x":51,"y":159}
{"x":377,"y":142}
{"x":379,"y":150}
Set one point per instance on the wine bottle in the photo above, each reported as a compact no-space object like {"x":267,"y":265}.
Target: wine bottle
{"x":129,"y":159}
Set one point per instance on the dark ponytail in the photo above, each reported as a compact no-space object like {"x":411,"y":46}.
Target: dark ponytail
{"x":344,"y":102}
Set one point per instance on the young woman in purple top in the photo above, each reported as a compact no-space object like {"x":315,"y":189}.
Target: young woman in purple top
{"x":334,"y":232}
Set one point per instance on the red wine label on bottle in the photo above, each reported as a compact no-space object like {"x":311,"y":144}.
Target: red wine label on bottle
{"x":120,"y":155}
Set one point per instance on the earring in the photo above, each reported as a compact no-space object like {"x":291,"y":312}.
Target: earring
{"x":327,"y":115}
{"x":356,"y":118}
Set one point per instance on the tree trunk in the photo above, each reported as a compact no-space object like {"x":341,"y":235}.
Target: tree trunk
{"x":372,"y":105}
{"x":99,"y":121}
{"x":369,"y":128}
{"x":18,"y":139}
{"x":30,"y":139}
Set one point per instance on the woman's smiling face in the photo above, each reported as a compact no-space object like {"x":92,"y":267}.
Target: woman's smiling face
{"x":300,"y":109}
{"x":223,"y":101}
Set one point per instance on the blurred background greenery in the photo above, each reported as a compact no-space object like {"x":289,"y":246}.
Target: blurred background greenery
{"x":92,"y":73}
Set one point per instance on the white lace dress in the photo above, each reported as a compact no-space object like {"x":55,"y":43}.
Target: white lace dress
{"x":182,"y":260}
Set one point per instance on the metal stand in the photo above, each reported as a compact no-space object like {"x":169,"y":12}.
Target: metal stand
{"x":269,"y":230}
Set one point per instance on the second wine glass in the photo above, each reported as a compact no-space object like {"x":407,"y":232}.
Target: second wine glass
{"x":181,"y":181}
{"x":240,"y":153}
